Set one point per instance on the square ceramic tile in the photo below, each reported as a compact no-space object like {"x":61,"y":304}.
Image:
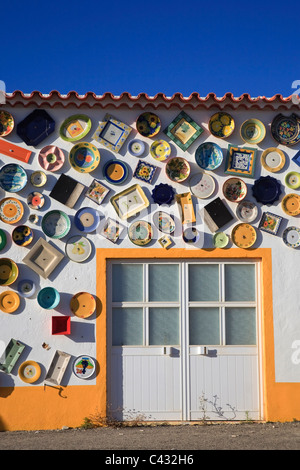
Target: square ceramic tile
{"x":145,"y":171}
{"x":240,"y":161}
{"x":183,"y":130}
{"x":97,"y":191}
{"x":112,"y":133}
{"x":43,"y":258}
{"x":130,"y":201}
{"x":165,"y":241}
{"x":270,"y":223}
{"x":67,"y":190}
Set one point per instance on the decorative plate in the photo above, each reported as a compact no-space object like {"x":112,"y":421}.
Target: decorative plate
{"x":3,"y":239}
{"x":36,"y":127}
{"x":273,"y":159}
{"x":234,"y":189}
{"x":38,"y":179}
{"x":6,"y":123}
{"x":140,"y":232}
{"x":11,"y":210}
{"x":43,"y":258}
{"x":13,"y":178}
{"x":253,"y":131}
{"x":292,"y":180}
{"x":78,"y":248}
{"x":129,"y":202}
{"x":291,"y":204}
{"x":111,"y":230}
{"x":285,"y":129}
{"x":29,"y":371}
{"x":84,"y":157}
{"x":243,"y":235}
{"x":112,"y":133}
{"x":22,"y":235}
{"x":183,"y":130}
{"x":84,"y":367}
{"x":9,"y":271}
{"x":240,"y":161}
{"x":83,"y":304}
{"x":26,"y":287}
{"x":247,"y":211}
{"x":136,"y":147}
{"x":87,"y":219}
{"x":221,"y":125}
{"x":291,"y":237}
{"x":75,"y":127}
{"x":33,"y":218}
{"x":165,"y":241}
{"x":164,"y":222}
{"x":191,"y":235}
{"x":48,"y":298}
{"x":202,"y":185}
{"x":266,"y":189}
{"x":9,"y":301}
{"x":220,"y":240}
{"x":270,"y":223}
{"x":145,"y":171}
{"x":97,"y":191}
{"x":163,"y":194}
{"x":209,"y":156}
{"x":56,"y":224}
{"x":296,"y":158}
{"x":35,"y":200}
{"x":148,"y":124}
{"x":115,"y":171}
{"x":186,"y":208}
{"x":51,"y":158}
{"x":178,"y":169}
{"x":160,"y":150}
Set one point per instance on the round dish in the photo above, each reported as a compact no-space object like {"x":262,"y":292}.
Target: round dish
{"x":160,"y":150}
{"x":243,"y":235}
{"x":140,"y":232}
{"x":38,"y":179}
{"x":221,"y":125}
{"x":266,"y":189}
{"x":48,"y":298}
{"x":56,"y":224}
{"x":9,"y":301}
{"x":136,"y":147}
{"x":253,"y":131}
{"x":33,"y":218}
{"x":9,"y":271}
{"x":291,"y":204}
{"x":163,"y":194}
{"x":51,"y":158}
{"x":285,"y":129}
{"x":83,"y":305}
{"x":292,"y":180}
{"x":26,"y":287}
{"x":148,"y":124}
{"x":35,"y":200}
{"x":7,"y":123}
{"x":13,"y":178}
{"x":177,"y":169}
{"x":115,"y":171}
{"x":247,"y":211}
{"x":209,"y":156}
{"x":75,"y":127}
{"x":234,"y":189}
{"x":291,"y":237}
{"x":78,"y":248}
{"x":191,"y":235}
{"x":84,"y":157}
{"x":202,"y":185}
{"x":273,"y":159}
{"x":11,"y":210}
{"x":29,"y":372}
{"x":87,"y":219}
{"x":22,"y":235}
{"x":3,"y":239}
{"x":84,"y":367}
{"x":220,"y":240}
{"x":164,"y":222}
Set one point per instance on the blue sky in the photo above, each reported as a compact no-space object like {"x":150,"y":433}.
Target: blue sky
{"x":145,"y":47}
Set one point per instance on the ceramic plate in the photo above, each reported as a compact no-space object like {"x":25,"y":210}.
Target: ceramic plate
{"x":144,"y":171}
{"x":51,"y":158}
{"x":209,"y":156}
{"x":291,"y":204}
{"x":22,"y":235}
{"x":160,"y":150}
{"x":291,"y":237}
{"x":148,"y":124}
{"x":9,"y":271}
{"x":285,"y":129}
{"x":6,"y":123}
{"x":43,"y":258}
{"x":9,"y":301}
{"x":83,"y":304}
{"x":11,"y":210}
{"x":56,"y":224}
{"x":38,"y":179}
{"x":163,"y":194}
{"x":84,"y":367}
{"x":177,"y":169}
{"x":35,"y":200}
{"x":191,"y":235}
{"x":115,"y":171}
{"x":136,"y":147}
{"x":164,"y":222}
{"x":75,"y":127}
{"x":220,"y":240}
{"x":253,"y":131}
{"x":273,"y":159}
{"x":29,"y":371}
{"x":3,"y":239}
{"x":292,"y":180}
{"x":48,"y":298}
{"x":26,"y":287}
{"x":140,"y":232}
{"x":221,"y":125}
{"x":13,"y":178}
{"x":202,"y":185}
{"x":84,"y":157}
{"x":247,"y":211}
{"x":78,"y":248}
{"x":234,"y":189}
{"x":243,"y":235}
{"x":266,"y":189}
{"x":87,"y":219}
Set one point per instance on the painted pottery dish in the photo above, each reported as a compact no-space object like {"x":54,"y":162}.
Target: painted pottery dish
{"x":163,"y":194}
{"x":144,"y":171}
{"x":148,"y":124}
{"x":48,"y":298}
{"x":243,"y":235}
{"x":87,"y":219}
{"x":9,"y":271}
{"x":36,"y":127}
{"x":209,"y":156}
{"x":291,"y":237}
{"x":9,"y":301}
{"x":164,"y":222}
{"x":13,"y":178}
{"x":75,"y":127}
{"x":38,"y":179}
{"x":296,"y":158}
{"x":286,"y":129}
{"x":6,"y":123}
{"x":84,"y":157}
{"x":292,"y":180}
{"x":35,"y":200}
{"x":221,"y":125}
{"x":29,"y":371}
{"x":220,"y":240}
{"x":33,"y":218}
{"x":56,"y":224}
{"x":84,"y":367}
{"x":3,"y":239}
{"x":51,"y":158}
{"x":266,"y":189}
{"x":140,"y":232}
{"x":160,"y":150}
{"x":11,"y":210}
{"x":247,"y":211}
{"x":177,"y":169}
{"x":115,"y":171}
{"x":26,"y":287}
{"x":78,"y":248}
{"x":234,"y":189}
{"x":22,"y":235}
{"x":291,"y":204}
{"x":191,"y":235}
{"x":83,"y":304}
{"x":202,"y":185}
{"x":253,"y":131}
{"x":136,"y":147}
{"x":273,"y":159}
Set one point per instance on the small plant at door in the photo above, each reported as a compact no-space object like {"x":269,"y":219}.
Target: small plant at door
{"x":217,"y":410}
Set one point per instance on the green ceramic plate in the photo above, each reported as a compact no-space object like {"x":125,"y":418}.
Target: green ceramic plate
{"x":2,"y":239}
{"x":9,"y":271}
{"x":56,"y":224}
{"x":75,"y":127}
{"x":220,"y":240}
{"x":292,"y":180}
{"x":253,"y":131}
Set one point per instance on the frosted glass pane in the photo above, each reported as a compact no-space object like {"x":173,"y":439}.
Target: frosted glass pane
{"x":203,"y":282}
{"x":240,"y":282}
{"x":164,"y":282}
{"x":163,"y":326}
{"x":240,"y":325}
{"x":127,"y":282}
{"x":127,"y":326}
{"x":204,"y":326}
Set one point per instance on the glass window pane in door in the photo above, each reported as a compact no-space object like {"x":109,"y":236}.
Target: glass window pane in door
{"x":127,"y":282}
{"x":240,"y":282}
{"x":127,"y":326}
{"x":203,"y":282}
{"x":163,"y":326}
{"x":240,"y":325}
{"x":204,"y":325}
{"x":163,"y":282}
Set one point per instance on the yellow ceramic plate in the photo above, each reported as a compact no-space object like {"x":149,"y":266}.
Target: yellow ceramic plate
{"x":29,"y":371}
{"x":9,"y":301}
{"x":273,"y":159}
{"x":83,"y":304}
{"x":243,"y":235}
{"x":221,"y":125}
{"x":253,"y":131}
{"x":291,"y":204}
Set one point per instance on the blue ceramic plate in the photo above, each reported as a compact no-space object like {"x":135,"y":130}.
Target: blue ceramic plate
{"x":136,"y":147}
{"x":13,"y":178}
{"x":115,"y":171}
{"x":209,"y":156}
{"x":48,"y":298}
{"x":56,"y":224}
{"x":87,"y":219}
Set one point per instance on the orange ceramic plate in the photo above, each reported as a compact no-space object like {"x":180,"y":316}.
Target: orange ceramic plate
{"x":11,"y":210}
{"x":243,"y":235}
{"x":9,"y":301}
{"x":29,"y":371}
{"x":83,"y":305}
{"x":291,"y":204}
